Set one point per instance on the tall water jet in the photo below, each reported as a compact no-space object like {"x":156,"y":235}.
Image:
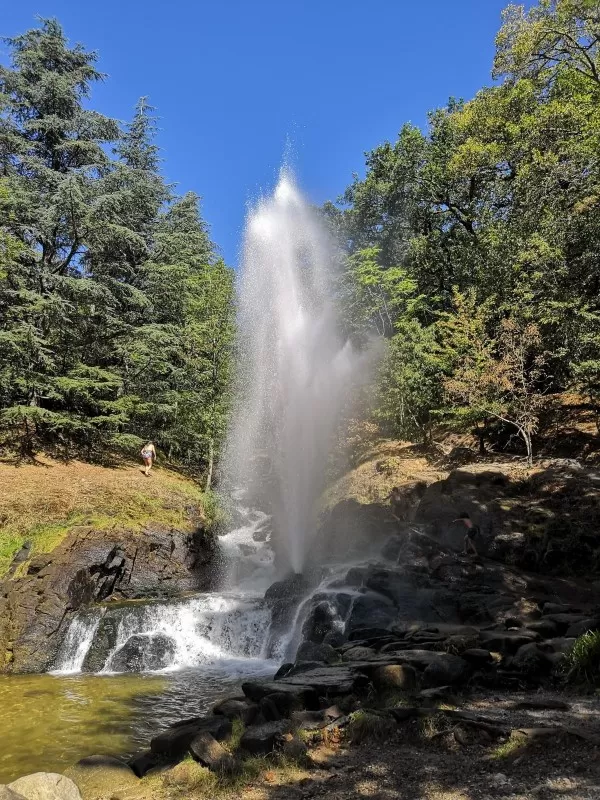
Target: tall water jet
{"x":294,"y":368}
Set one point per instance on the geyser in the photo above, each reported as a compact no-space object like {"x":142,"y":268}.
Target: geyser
{"x":295,"y":371}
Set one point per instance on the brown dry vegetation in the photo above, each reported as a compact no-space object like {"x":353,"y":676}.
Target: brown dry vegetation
{"x":41,"y":502}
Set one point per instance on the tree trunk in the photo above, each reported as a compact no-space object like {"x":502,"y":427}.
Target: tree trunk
{"x":527,"y":439}
{"x":211,"y":458}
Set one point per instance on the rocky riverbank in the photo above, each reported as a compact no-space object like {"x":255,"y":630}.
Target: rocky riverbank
{"x":446,"y":681}
{"x":87,"y":535}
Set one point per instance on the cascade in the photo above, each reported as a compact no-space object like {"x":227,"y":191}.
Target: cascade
{"x":294,"y":375}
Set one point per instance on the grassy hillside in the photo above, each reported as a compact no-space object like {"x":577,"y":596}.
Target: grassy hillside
{"x":41,"y":503}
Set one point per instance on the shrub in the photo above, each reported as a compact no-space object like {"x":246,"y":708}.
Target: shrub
{"x":582,"y":662}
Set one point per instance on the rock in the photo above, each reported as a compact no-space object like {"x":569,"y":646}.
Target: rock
{"x":333,"y":712}
{"x":371,"y":611}
{"x":45,"y":786}
{"x":283,"y":670}
{"x":291,"y":588}
{"x":583,"y":626}
{"x":359,"y":654}
{"x":142,"y":764}
{"x":9,"y":794}
{"x":142,"y":653}
{"x":91,"y":566}
{"x":393,"y":547}
{"x":451,"y":670}
{"x":174,"y":742}
{"x":309,"y":651}
{"x":332,"y":680}
{"x":394,"y":676}
{"x":435,"y":693}
{"x":285,"y":703}
{"x":268,"y":710}
{"x":205,"y":749}
{"x":295,"y":749}
{"x":531,"y":660}
{"x":545,"y":628}
{"x":334,"y":638}
{"x":367,"y":635}
{"x":542,"y":703}
{"x":322,"y":620}
{"x":303,"y":696}
{"x":557,"y":608}
{"x":237,"y":709}
{"x":103,"y":643}
{"x":477,"y":655}
{"x":564,"y":621}
{"x":262,"y":739}
{"x":507,"y":641}
{"x":103,"y":762}
{"x":393,"y":585}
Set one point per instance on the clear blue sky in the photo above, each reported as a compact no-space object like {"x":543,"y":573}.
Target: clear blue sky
{"x":233,"y":80}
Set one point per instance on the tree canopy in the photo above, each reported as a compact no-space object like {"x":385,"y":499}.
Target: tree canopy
{"x":115,"y":309}
{"x":481,"y":236}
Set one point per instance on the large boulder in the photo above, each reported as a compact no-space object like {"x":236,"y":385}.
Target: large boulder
{"x":263,"y":739}
{"x":371,"y":610}
{"x":143,"y":653}
{"x":394,"y":676}
{"x":234,"y":708}
{"x":205,"y":749}
{"x":174,"y":742}
{"x":308,"y":651}
{"x":45,"y":786}
{"x":104,"y":642}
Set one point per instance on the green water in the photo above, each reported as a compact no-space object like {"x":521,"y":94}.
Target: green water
{"x":48,"y":722}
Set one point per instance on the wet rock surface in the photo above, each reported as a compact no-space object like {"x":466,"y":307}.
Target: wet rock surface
{"x":89,"y":567}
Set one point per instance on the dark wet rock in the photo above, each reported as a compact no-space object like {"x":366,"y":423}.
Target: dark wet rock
{"x":237,"y":709}
{"x":268,"y":710}
{"x":365,"y":636}
{"x":309,"y":651}
{"x":320,"y":622}
{"x":394,"y":676}
{"x":205,"y":749}
{"x":291,"y":588}
{"x":332,"y":680}
{"x":351,"y":527}
{"x":356,"y":577}
{"x":142,"y":653}
{"x":451,"y":670}
{"x":558,"y":608}
{"x":359,"y":654}
{"x":141,"y":764}
{"x":544,"y":627}
{"x":393,"y":547}
{"x":395,"y":586}
{"x":304,"y":696}
{"x":285,"y":703}
{"x":583,"y":626}
{"x":335,"y":639}
{"x":507,"y":641}
{"x":91,"y":566}
{"x":263,"y":739}
{"x":174,"y":742}
{"x":531,"y":660}
{"x":104,"y":642}
{"x":283,"y":670}
{"x":564,"y":621}
{"x":477,"y":656}
{"x":371,"y":611}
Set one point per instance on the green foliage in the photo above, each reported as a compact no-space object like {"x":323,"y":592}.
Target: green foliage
{"x":482,"y":232}
{"x":115,"y":313}
{"x":582,"y":662}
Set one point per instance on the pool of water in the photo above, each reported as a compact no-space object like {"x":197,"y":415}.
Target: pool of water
{"x":48,"y":722}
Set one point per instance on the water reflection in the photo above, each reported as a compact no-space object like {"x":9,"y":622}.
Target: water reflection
{"x":47,"y":722}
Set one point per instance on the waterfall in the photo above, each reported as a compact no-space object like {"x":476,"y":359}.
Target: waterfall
{"x":294,"y":369}
{"x":78,"y":641}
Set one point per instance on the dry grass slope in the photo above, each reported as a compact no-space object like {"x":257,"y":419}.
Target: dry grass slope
{"x":41,"y":503}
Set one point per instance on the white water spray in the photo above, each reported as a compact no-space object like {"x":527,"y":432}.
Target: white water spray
{"x":295,"y":371}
